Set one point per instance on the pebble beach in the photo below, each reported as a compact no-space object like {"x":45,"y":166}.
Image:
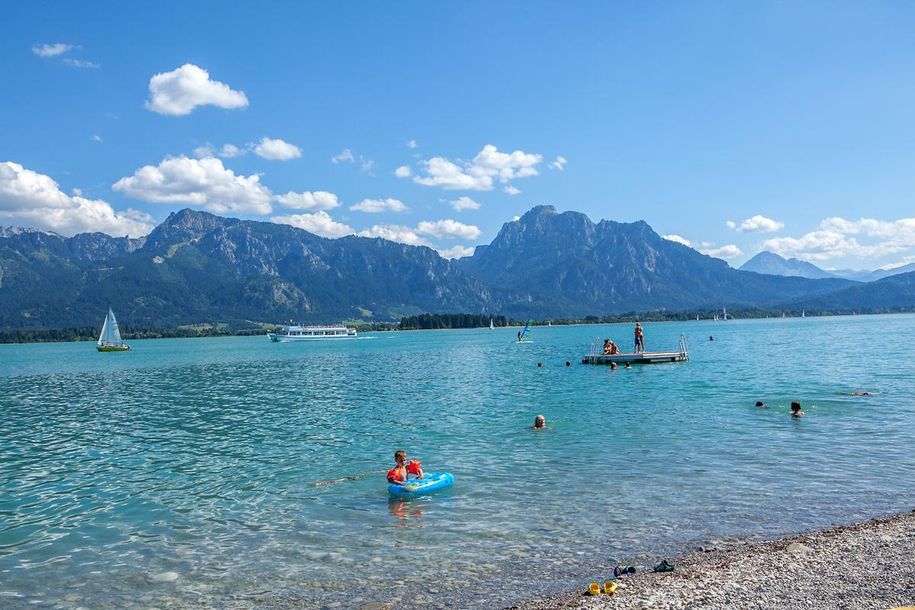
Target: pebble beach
{"x":865,"y":566}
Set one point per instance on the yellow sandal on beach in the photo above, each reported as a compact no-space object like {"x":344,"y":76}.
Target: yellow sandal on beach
{"x":610,"y":587}
{"x":594,"y":588}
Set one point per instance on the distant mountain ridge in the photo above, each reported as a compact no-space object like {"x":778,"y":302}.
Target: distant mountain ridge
{"x":773,"y":264}
{"x":567,"y":262}
{"x":198,"y":268}
{"x":892,"y":293}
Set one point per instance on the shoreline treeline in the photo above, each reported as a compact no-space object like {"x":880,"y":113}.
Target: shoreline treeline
{"x":419,"y":322}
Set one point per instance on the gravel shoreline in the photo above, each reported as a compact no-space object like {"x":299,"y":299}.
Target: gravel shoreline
{"x":869,"y":565}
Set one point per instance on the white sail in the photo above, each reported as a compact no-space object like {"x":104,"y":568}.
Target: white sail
{"x":491,"y":325}
{"x":111,"y":334}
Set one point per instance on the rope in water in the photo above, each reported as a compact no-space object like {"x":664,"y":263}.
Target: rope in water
{"x":354,"y":477}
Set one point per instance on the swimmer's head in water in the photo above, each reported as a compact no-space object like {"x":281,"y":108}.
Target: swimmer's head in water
{"x":568,"y":363}
{"x":760,"y":403}
{"x":795,"y":406}
{"x":540,"y":421}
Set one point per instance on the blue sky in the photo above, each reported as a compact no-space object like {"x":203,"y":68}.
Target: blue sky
{"x":734,"y":126}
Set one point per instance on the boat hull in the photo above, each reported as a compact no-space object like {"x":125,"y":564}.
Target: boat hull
{"x":295,"y":339}
{"x":113,"y":348}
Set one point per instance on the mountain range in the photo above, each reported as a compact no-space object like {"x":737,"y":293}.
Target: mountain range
{"x":773,"y":264}
{"x":198,"y":268}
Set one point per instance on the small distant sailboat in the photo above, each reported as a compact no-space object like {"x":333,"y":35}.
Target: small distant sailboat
{"x":491,"y":325}
{"x":803,"y":314}
{"x":110,"y":338}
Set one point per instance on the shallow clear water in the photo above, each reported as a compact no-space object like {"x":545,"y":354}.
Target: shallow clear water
{"x":200,"y":456}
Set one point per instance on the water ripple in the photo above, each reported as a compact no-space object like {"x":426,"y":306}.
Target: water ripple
{"x":199,"y":457}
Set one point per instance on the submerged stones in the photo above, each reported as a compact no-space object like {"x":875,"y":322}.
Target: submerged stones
{"x":164,"y":577}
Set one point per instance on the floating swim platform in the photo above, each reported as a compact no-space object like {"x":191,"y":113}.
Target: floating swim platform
{"x":596,"y":357}
{"x":432,"y":481}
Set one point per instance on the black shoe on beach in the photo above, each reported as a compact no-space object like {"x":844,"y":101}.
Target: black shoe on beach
{"x":664,"y":566}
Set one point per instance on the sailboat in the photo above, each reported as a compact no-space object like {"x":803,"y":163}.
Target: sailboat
{"x":522,"y":336}
{"x":110,"y":338}
{"x":491,"y":325}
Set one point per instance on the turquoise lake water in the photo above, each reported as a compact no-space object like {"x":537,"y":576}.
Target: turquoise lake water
{"x":199,"y":457}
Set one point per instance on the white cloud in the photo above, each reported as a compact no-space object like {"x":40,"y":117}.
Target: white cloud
{"x":276,"y":150}
{"x":319,"y":223}
{"x":24,"y":189}
{"x":80,"y":63}
{"x":507,"y":166}
{"x":398,"y":233}
{"x":516,"y":218}
{"x":726,"y":252}
{"x":412,"y":144}
{"x":757,"y":224}
{"x":841,"y":238}
{"x":905,"y":260}
{"x":678,"y":239}
{"x":511,"y":190}
{"x":448,"y":229}
{"x":479,"y":174}
{"x":457,"y":251}
{"x":51,"y":50}
{"x":35,"y":200}
{"x":403,"y":172}
{"x":201,"y":182}
{"x":202,"y":152}
{"x":317,"y":200}
{"x":228,"y":151}
{"x":464,"y":203}
{"x":344,"y":157}
{"x":442,"y":172}
{"x":347,"y":156}
{"x":558,"y":163}
{"x":180,"y":91}
{"x":96,"y":138}
{"x":375,"y":206}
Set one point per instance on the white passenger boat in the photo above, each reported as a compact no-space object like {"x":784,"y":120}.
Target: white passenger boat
{"x":312,"y":333}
